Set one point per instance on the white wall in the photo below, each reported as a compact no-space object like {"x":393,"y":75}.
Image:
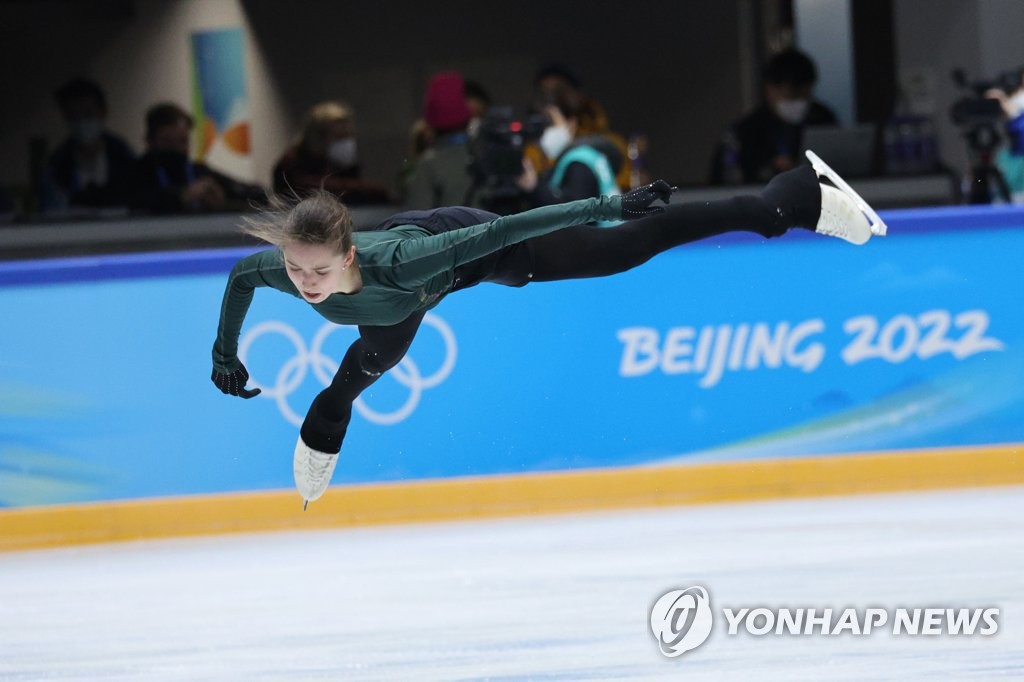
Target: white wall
{"x":139,"y":53}
{"x":1001,"y":35}
{"x":824,"y":30}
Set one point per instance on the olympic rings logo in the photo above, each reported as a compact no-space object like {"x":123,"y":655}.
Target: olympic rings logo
{"x":293,"y":372}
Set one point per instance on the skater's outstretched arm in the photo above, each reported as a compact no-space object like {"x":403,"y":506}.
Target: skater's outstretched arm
{"x":258,"y":270}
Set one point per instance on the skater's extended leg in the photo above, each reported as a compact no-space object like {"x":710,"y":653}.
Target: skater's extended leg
{"x":792,"y":199}
{"x":377,"y":350}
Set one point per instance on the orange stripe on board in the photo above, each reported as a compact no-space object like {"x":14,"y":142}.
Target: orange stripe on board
{"x":511,"y":495}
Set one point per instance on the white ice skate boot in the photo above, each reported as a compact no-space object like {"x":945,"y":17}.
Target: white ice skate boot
{"x":844,"y":213}
{"x":313,"y":470}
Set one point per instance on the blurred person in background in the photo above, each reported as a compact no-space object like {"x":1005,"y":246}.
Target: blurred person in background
{"x":1010,"y":158}
{"x":169,"y":181}
{"x":591,"y":118}
{"x":580,"y":165}
{"x":442,"y":175}
{"x":326,"y":156}
{"x":92,"y":167}
{"x":769,"y":140}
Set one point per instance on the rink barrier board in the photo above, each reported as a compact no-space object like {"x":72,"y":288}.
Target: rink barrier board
{"x":513,"y":495}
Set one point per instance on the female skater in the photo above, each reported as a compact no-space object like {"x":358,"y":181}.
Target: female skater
{"x":385,"y":280}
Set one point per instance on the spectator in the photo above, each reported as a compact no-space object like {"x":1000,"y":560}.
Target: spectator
{"x":769,"y":140}
{"x":169,"y":181}
{"x":1010,"y":158}
{"x":592,"y":119}
{"x":442,"y":175}
{"x":92,"y":167}
{"x":326,"y":156}
{"x":582,"y":166}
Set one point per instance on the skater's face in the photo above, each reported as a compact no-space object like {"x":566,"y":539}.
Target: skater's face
{"x":316,"y":270}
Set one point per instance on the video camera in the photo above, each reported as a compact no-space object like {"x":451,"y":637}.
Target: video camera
{"x":979,"y":114}
{"x":981,"y":119}
{"x":497,"y":153}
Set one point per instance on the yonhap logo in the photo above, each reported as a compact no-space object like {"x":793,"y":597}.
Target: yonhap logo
{"x":681,"y":620}
{"x":311,"y":358}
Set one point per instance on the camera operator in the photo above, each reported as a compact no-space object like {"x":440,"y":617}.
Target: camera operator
{"x":582,"y":167}
{"x":1010,"y":159}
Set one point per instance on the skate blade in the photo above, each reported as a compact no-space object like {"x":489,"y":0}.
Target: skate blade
{"x":878,"y":226}
{"x":305,"y":503}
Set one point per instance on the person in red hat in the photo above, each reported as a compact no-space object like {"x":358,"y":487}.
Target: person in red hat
{"x":441,"y":177}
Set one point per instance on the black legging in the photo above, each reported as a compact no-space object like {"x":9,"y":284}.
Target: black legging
{"x":791,"y":200}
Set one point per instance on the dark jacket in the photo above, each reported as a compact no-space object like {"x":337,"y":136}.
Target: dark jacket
{"x":762,"y":136}
{"x":299,"y":172}
{"x":63,"y":168}
{"x":161,"y":178}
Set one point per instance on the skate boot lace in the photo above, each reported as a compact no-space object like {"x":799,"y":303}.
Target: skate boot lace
{"x":840,"y":217}
{"x":319,"y":465}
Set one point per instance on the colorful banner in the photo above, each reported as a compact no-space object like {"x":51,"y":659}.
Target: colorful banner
{"x":220,"y":101}
{"x":733,"y":348}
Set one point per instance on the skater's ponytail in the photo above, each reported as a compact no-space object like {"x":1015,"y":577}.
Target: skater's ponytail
{"x":318,"y":218}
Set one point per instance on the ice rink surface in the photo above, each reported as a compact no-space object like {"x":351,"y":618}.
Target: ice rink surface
{"x":541,"y":598}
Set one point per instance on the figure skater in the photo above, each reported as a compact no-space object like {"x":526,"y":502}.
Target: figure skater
{"x":386,"y":279}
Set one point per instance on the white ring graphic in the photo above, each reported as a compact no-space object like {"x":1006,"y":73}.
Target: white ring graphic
{"x":293,"y":372}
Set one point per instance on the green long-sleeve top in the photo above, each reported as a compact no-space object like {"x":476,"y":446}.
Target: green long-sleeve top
{"x":404,"y":269}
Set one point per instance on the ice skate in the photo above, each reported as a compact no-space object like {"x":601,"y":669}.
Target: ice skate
{"x":313,"y":470}
{"x":844,"y":214}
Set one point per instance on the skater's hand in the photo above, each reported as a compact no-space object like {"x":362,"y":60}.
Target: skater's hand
{"x":637,"y":203}
{"x":233,"y":383}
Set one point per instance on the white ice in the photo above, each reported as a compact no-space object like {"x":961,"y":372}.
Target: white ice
{"x":541,"y":598}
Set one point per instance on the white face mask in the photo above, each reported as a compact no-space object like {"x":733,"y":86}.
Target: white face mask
{"x":87,"y":130}
{"x":792,"y":110}
{"x":342,"y":153}
{"x":554,"y":141}
{"x":1016,"y":104}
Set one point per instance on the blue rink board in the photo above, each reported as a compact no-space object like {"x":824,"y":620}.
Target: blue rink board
{"x":728,"y":349}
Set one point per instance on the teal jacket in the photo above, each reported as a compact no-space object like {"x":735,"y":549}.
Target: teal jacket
{"x":404,"y":269}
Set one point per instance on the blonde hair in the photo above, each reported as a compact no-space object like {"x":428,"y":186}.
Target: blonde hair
{"x":318,"y":121}
{"x":319,"y":218}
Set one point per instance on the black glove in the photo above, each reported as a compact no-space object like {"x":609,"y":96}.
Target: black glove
{"x":637,"y":203}
{"x":233,"y":383}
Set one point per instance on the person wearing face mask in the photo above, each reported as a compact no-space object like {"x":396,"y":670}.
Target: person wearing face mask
{"x":326,"y":155}
{"x":769,"y":139}
{"x":591,"y":119}
{"x":581,"y":166}
{"x":92,"y":167}
{"x":1010,"y":159}
{"x":169,"y":181}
